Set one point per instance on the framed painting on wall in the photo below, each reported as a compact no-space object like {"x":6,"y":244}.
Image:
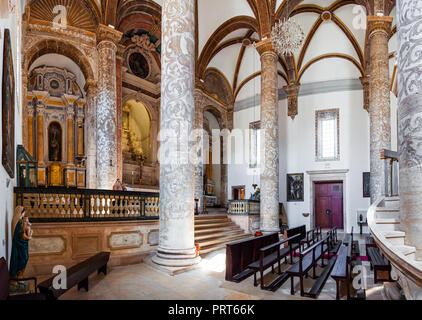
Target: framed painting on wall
{"x":8,"y":108}
{"x":365,"y":184}
{"x":295,"y":187}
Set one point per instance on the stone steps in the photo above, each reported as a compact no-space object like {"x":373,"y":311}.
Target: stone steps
{"x":212,"y":232}
{"x":388,"y":224}
{"x":395,"y":237}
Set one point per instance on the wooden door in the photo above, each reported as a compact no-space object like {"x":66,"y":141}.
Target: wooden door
{"x":329,"y":204}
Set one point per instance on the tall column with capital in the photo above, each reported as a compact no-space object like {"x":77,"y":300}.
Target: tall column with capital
{"x":70,"y":136}
{"x":410,"y":121}
{"x":91,"y":133}
{"x":42,"y":176}
{"x":176,"y":241}
{"x":199,"y":167}
{"x":30,"y":129}
{"x":379,"y":28}
{"x":107,"y":38}
{"x":269,"y":138}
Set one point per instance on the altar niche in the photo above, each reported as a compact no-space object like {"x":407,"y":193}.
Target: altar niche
{"x":139,"y":161}
{"x":56,"y":107}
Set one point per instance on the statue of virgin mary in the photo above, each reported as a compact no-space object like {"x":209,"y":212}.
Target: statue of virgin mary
{"x":19,"y":257}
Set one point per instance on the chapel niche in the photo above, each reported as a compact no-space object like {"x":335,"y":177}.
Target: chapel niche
{"x":56,"y":106}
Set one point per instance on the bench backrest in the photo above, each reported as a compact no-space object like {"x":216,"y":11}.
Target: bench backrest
{"x":4,"y":279}
{"x":239,"y":254}
{"x":298,"y":230}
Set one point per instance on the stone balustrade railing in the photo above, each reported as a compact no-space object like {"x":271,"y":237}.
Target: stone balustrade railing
{"x":63,"y":204}
{"x":243,"y":207}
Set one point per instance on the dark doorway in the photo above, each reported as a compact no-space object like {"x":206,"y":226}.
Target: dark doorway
{"x":238,"y":193}
{"x":329,"y":204}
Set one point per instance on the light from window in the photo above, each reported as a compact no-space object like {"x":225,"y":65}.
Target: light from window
{"x":327,"y":135}
{"x":254,"y":144}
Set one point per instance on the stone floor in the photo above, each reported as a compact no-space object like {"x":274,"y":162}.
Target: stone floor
{"x":204,"y":282}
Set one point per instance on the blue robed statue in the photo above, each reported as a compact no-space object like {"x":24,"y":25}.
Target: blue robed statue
{"x":21,"y":234}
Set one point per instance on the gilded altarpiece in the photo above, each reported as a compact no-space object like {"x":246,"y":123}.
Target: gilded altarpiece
{"x":56,"y":106}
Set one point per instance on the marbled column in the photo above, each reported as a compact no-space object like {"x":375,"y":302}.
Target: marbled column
{"x":292,"y":92}
{"x":70,"y":136}
{"x":379,"y":109}
{"x":40,"y":134}
{"x":91,"y":133}
{"x":31,"y":129}
{"x":409,"y":17}
{"x":176,"y":243}
{"x":269,"y":139}
{"x":199,"y":168}
{"x":106,"y":107}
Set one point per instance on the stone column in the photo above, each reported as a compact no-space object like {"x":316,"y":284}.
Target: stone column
{"x":409,"y":19}
{"x":199,"y":168}
{"x":176,"y":243}
{"x":70,"y":136}
{"x":40,"y":134}
{"x":269,"y":138}
{"x":31,"y":129}
{"x":91,"y":133}
{"x":107,"y":38}
{"x":292,"y":92}
{"x":379,"y":109}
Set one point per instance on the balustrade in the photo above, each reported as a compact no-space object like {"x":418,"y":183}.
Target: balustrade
{"x":63,"y":204}
{"x":244,"y":207}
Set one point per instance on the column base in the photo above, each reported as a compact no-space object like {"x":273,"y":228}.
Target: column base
{"x":176,"y":258}
{"x":270,"y":230}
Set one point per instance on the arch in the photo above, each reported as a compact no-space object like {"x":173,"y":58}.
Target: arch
{"x":217,"y":114}
{"x":59,"y":47}
{"x":239,"y":22}
{"x":225,"y":88}
{"x":134,"y":96}
{"x":329,"y":56}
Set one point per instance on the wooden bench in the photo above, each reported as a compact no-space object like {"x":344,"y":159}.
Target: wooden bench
{"x":379,"y":264}
{"x":5,"y":282}
{"x":301,"y":231}
{"x":348,"y":239}
{"x":369,"y":243}
{"x":308,"y":260}
{"x":312,"y":236}
{"x":341,"y":271}
{"x":334,"y":242}
{"x":271,"y":255}
{"x":77,"y":275}
{"x":240,"y":254}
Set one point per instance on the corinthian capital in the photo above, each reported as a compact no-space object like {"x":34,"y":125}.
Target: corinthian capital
{"x":105,"y":33}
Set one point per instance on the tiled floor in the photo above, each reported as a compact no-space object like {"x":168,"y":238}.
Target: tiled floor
{"x":204,"y":282}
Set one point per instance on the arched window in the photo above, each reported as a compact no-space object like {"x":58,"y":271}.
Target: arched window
{"x":54,"y":142}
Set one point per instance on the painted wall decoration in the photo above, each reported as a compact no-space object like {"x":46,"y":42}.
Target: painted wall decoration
{"x":295,"y":187}
{"x":8,"y":108}
{"x":365,"y":184}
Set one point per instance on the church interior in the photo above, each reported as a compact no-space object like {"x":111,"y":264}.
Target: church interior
{"x":211,"y":150}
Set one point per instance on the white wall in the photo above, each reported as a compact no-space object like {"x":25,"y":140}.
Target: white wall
{"x":9,"y":21}
{"x":297,"y":151}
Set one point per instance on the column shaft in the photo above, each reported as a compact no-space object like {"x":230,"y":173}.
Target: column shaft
{"x":91,"y":134}
{"x":269,"y":206}
{"x":199,"y":168}
{"x":31,"y":129}
{"x":106,"y":107}
{"x":176,"y":242}
{"x":40,"y":134}
{"x":70,"y":137}
{"x":379,"y":99}
{"x":410,"y":121}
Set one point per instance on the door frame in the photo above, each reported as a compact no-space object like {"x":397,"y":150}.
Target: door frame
{"x":327,"y":176}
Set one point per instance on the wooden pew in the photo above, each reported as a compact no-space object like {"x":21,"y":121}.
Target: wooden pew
{"x":76,"y":275}
{"x":341,"y":271}
{"x":379,"y":264}
{"x":308,"y":260}
{"x":301,"y":230}
{"x":334,"y":243}
{"x":348,"y":239}
{"x":240,"y":254}
{"x":271,"y":255}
